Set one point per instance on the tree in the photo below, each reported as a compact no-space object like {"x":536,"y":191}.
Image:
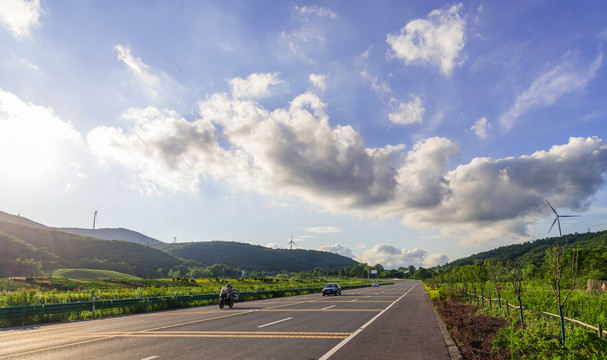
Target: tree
{"x":557,"y":258}
{"x":514,"y":274}
{"x":479,"y":274}
{"x":495,"y":271}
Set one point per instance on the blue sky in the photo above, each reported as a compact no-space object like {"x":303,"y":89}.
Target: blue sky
{"x":395,"y":132}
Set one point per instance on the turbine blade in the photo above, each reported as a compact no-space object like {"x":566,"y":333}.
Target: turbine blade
{"x":559,"y":221}
{"x":554,"y":222}
{"x":570,"y":215}
{"x":552,"y":208}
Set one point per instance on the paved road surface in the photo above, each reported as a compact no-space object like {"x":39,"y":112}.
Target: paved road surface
{"x":389,"y":322}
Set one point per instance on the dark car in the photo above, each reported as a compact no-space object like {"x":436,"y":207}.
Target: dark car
{"x":331,"y":289}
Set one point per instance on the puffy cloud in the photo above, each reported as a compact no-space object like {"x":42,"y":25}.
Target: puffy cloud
{"x":319,"y":81}
{"x":421,"y":179}
{"x":488,"y":199}
{"x":480,"y":128}
{"x":33,"y":138}
{"x":564,"y":78}
{"x":255,"y":86}
{"x":437,"y":40}
{"x":163,"y":148}
{"x":295,"y":152}
{"x":407,"y":112}
{"x":435,"y":259}
{"x":337,"y":249}
{"x":20,"y":16}
{"x":392,"y":257}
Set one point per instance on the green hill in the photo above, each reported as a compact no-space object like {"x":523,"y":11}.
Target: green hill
{"x":91,"y":274}
{"x":30,"y":248}
{"x":57,"y":249}
{"x":533,"y":252}
{"x":114,"y":234}
{"x":256,"y":258}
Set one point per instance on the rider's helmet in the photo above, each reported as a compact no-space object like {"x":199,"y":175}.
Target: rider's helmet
{"x":229,"y":285}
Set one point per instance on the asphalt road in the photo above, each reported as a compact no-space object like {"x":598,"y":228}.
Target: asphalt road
{"x":390,"y":322}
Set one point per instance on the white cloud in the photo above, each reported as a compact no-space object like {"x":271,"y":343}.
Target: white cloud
{"x":20,"y":16}
{"x":405,"y":113}
{"x":319,"y":81}
{"x":375,"y":83}
{"x":33,"y":139}
{"x":305,"y":41}
{"x":564,"y":78}
{"x":255,"y":86}
{"x":323,"y":229}
{"x":435,"y":259}
{"x":141,"y":71}
{"x":437,"y":40}
{"x":295,"y":152}
{"x":164,"y":149}
{"x":275,"y":246}
{"x":480,"y":128}
{"x":489,"y":199}
{"x":316,"y":10}
{"x":337,"y":249}
{"x":391,"y":257}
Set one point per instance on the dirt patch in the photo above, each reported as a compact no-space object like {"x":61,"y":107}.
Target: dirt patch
{"x":472,"y":332}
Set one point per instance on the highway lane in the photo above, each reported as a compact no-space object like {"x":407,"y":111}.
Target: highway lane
{"x":298,"y":327}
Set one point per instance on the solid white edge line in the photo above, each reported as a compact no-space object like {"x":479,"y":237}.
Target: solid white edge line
{"x":346,"y":340}
{"x":275,"y":322}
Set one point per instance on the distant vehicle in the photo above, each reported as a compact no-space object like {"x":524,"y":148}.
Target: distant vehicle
{"x":331,"y":289}
{"x":375,"y":284}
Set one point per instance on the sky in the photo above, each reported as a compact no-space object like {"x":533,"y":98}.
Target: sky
{"x":394,"y":132}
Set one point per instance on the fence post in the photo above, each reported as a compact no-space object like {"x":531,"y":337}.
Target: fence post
{"x":482,"y":299}
{"x":93,"y":307}
{"x":600,"y":331}
{"x":490,"y":306}
{"x":562,"y":325}
{"x":520,"y":306}
{"x":507,"y":307}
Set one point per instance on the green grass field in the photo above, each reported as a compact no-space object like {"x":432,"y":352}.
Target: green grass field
{"x":90,"y":274}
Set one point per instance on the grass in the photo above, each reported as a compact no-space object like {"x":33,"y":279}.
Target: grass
{"x":539,"y":338}
{"x":88,"y":274}
{"x":49,"y":290}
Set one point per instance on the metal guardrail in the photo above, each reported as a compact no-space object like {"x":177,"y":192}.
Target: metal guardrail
{"x":7,"y":312}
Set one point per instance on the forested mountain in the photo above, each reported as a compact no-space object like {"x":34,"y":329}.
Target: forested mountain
{"x":31,"y":248}
{"x":256,"y":258}
{"x":49,"y":249}
{"x":592,"y":246}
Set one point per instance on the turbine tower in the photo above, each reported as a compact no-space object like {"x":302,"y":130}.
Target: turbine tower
{"x":291,"y":243}
{"x":557,"y":219}
{"x":95,"y":218}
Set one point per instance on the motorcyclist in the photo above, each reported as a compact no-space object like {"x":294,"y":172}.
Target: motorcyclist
{"x":228,"y":289}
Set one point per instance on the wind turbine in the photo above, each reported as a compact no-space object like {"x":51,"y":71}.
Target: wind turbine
{"x":557,"y":219}
{"x":95,"y":218}
{"x":291,"y":243}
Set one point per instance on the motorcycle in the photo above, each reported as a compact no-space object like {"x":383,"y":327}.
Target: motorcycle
{"x":226,"y":298}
